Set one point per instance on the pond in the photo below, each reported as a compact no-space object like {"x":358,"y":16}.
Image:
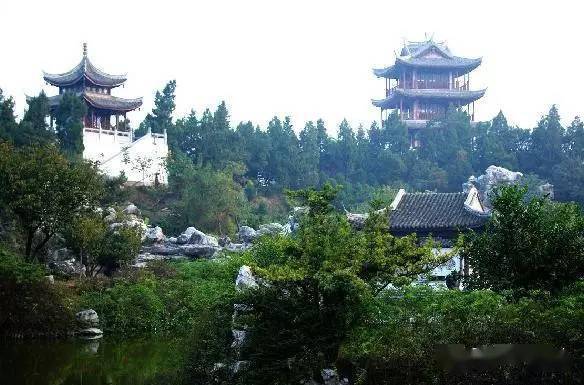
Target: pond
{"x":97,"y":362}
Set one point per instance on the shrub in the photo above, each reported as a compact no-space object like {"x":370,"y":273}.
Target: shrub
{"x":29,"y":305}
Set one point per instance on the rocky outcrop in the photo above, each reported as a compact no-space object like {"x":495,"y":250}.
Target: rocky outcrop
{"x":494,"y":176}
{"x":245,"y":279}
{"x":154,"y":234}
{"x":246,"y":234}
{"x":62,"y":263}
{"x":87,"y":323}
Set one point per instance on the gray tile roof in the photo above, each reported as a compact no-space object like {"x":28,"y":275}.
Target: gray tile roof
{"x":436,"y":213}
{"x":84,"y":69}
{"x":445,"y":95}
{"x":102,"y":101}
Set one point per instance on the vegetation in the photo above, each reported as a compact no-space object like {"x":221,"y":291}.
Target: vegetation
{"x":44,"y":192}
{"x":528,"y":245}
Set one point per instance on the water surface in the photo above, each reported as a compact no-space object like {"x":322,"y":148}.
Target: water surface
{"x":105,"y":361}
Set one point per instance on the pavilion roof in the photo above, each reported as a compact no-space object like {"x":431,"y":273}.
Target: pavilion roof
{"x":414,"y":54}
{"x":435,"y":213}
{"x":103,"y":101}
{"x":85,"y":69}
{"x":445,"y":95}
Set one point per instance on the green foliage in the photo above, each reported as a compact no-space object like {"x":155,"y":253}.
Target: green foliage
{"x":100,"y":247}
{"x":29,"y":304}
{"x":208,"y":199}
{"x":44,"y":191}
{"x":69,"y":124}
{"x":527,"y":245}
{"x":161,"y":117}
{"x":145,"y":303}
{"x":8,"y":125}
{"x":33,"y":128}
{"x":319,"y":282}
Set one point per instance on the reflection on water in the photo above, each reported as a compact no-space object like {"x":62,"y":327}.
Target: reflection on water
{"x":97,"y":362}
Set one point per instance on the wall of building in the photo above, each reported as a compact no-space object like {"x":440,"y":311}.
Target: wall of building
{"x":142,"y":161}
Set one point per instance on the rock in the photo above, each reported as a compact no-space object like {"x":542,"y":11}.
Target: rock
{"x":271,"y":229}
{"x":111,"y":216}
{"x":62,"y":254}
{"x":67,"y":268}
{"x":246,"y":234}
{"x":87,"y":318}
{"x":163,"y":249}
{"x":224,"y":241}
{"x":245,"y":279}
{"x":238,"y":338}
{"x":193,"y":236}
{"x":90,"y":333}
{"x":199,"y":250}
{"x":171,"y":239}
{"x":331,"y":377}
{"x":154,"y":234}
{"x":143,"y":258}
{"x":493,"y":176}
{"x":547,"y":190}
{"x":237,"y":247}
{"x":132,"y":209}
{"x":50,"y":279}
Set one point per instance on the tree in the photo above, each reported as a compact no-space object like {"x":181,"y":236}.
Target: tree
{"x":8,"y":125}
{"x":547,"y":143}
{"x":69,"y":122}
{"x":208,"y":199}
{"x":309,"y":155}
{"x":86,"y":237}
{"x":161,"y":117}
{"x":33,"y":128}
{"x":318,"y":285}
{"x":44,"y":191}
{"x":527,"y":245}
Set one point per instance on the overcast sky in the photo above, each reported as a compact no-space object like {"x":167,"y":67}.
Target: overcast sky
{"x":305,"y":59}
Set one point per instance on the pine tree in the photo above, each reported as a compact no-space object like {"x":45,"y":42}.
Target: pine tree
{"x":33,"y":128}
{"x":161,"y":117}
{"x":69,"y":124}
{"x":8,"y":126}
{"x":309,"y":155}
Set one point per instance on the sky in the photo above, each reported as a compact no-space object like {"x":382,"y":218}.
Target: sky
{"x":303,"y":59}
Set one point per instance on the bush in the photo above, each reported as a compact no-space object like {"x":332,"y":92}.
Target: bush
{"x":166,"y":297}
{"x":405,"y":327}
{"x":29,"y":305}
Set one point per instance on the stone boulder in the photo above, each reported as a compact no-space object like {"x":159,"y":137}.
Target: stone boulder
{"x":199,"y":250}
{"x":273,"y":228}
{"x":193,"y":236}
{"x":132,"y":209}
{"x":245,"y":279}
{"x":111,"y":215}
{"x":154,"y":234}
{"x":68,"y":268}
{"x":494,"y":176}
{"x":87,"y":318}
{"x":246,"y":234}
{"x":90,"y":333}
{"x":224,"y":241}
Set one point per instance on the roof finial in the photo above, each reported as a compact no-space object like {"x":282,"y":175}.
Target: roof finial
{"x":84,"y":49}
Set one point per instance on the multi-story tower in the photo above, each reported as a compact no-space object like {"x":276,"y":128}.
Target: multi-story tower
{"x":425,"y":79}
{"x":107,"y":139}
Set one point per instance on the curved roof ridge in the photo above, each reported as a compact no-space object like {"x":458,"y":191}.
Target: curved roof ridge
{"x":86,"y":69}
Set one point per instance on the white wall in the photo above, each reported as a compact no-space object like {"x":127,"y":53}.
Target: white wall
{"x":140,"y":161}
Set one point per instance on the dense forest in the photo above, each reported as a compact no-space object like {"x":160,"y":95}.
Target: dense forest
{"x":266,"y":160}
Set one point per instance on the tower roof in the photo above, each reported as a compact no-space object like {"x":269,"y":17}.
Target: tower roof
{"x":102,"y":101}
{"x":428,"y":54}
{"x":447,"y":95}
{"x":85,"y":69}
